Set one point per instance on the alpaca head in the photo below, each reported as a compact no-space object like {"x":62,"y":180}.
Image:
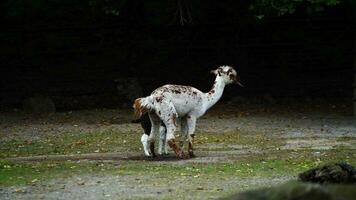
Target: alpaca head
{"x":228,"y":74}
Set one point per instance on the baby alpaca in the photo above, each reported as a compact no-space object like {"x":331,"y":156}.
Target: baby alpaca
{"x":146,"y":125}
{"x":169,"y":102}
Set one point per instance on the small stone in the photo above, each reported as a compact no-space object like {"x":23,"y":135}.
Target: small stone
{"x":200,"y":188}
{"x":19,"y":190}
{"x":81,"y":182}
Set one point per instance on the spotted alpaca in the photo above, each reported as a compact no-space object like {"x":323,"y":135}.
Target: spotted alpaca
{"x":170,"y":102}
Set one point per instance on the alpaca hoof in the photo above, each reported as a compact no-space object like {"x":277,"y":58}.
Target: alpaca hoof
{"x":191,"y":155}
{"x":179,"y":152}
{"x":182,"y":155}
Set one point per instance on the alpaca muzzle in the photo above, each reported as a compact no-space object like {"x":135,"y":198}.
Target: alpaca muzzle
{"x":237,"y":81}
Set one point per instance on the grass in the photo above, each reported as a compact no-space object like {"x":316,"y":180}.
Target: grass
{"x":244,"y":139}
{"x":17,"y":173}
{"x":14,"y":173}
{"x":71,"y":143}
{"x":113,"y":141}
{"x":285,"y":162}
{"x":267,"y":160}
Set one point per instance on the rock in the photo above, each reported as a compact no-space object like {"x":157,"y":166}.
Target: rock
{"x":39,"y":105}
{"x":341,"y":173}
{"x":81,"y":183}
{"x":294,"y":190}
{"x":20,"y":190}
{"x":330,"y":173}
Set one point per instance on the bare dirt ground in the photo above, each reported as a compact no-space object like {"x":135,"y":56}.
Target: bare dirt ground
{"x":315,"y":130}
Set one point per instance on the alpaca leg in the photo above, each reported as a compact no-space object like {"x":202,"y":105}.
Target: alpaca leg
{"x":155,"y":121}
{"x":171,"y":128}
{"x":172,"y":143}
{"x":168,"y":115}
{"x":144,"y":140}
{"x":162,"y":148}
{"x":165,"y":146}
{"x":184,"y":132}
{"x":191,"y":122}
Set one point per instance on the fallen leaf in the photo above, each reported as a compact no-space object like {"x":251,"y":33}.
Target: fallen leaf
{"x":34,"y":180}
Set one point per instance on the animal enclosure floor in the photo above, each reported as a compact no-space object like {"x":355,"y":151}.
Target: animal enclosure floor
{"x":97,"y":154}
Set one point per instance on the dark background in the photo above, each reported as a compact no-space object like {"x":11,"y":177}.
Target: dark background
{"x":78,"y":52}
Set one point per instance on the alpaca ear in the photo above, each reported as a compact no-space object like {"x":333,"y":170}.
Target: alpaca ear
{"x":219,"y":70}
{"x":216,"y":71}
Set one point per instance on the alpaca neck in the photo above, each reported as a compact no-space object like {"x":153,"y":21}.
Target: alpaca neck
{"x":215,"y":93}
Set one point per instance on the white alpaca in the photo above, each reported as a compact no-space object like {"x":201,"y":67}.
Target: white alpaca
{"x":169,"y":102}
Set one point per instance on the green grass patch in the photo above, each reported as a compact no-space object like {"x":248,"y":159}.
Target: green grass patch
{"x":273,"y":164}
{"x":253,"y":139}
{"x":21,"y":173}
{"x":113,"y":141}
{"x":72,"y":143}
{"x":278,"y":163}
{"x":266,"y":159}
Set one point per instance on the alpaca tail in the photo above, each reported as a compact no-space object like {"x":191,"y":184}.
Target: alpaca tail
{"x":142,"y":106}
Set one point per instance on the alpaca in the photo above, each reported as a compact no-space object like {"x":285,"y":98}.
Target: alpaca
{"x":146,"y":125}
{"x":169,"y":102}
